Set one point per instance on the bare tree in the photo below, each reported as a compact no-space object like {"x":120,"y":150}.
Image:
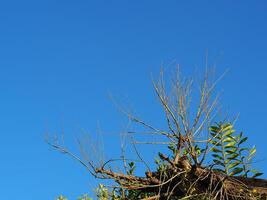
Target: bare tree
{"x":190,"y":111}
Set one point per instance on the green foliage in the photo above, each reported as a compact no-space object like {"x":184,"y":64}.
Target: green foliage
{"x":229,"y":154}
{"x":161,"y":164}
{"x":61,"y":198}
{"x":132,"y":168}
{"x":102,"y":192}
{"x":173,"y":147}
{"x":84,"y":197}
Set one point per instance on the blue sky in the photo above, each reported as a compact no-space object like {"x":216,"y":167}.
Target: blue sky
{"x":59,"y":60}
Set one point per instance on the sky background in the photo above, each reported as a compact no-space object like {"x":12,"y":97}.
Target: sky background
{"x":60,"y":59}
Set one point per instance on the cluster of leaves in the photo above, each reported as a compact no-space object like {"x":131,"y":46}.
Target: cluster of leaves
{"x":161,"y":165}
{"x":229,"y":154}
{"x":101,"y":193}
{"x":132,"y":168}
{"x":83,"y":197}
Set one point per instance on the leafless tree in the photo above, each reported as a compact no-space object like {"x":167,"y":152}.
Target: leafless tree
{"x":189,"y":108}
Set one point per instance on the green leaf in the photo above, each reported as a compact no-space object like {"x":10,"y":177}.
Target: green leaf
{"x":196,"y":147}
{"x":218,"y":162}
{"x":236,"y":171}
{"x":131,"y":164}
{"x":230,"y":151}
{"x":227,"y":127}
{"x":214,"y":129}
{"x":257,"y":174}
{"x":233,"y":156}
{"x":239,"y":136}
{"x":254,"y":171}
{"x":233,"y":164}
{"x":215,"y":143}
{"x":228,"y":133}
{"x":230,"y":144}
{"x":228,"y":139}
{"x":215,"y":150}
{"x":216,"y":135}
{"x":157,"y":161}
{"x":217,"y":156}
{"x":172,"y":147}
{"x":230,"y":147}
{"x":243,"y":140}
{"x":252,"y":152}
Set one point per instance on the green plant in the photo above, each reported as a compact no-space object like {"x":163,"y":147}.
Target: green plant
{"x":61,"y":198}
{"x":84,"y":197}
{"x":102,"y":192}
{"x":230,"y":156}
{"x":132,"y":168}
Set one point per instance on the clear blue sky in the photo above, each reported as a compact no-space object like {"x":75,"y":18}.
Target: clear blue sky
{"x":59,"y":59}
